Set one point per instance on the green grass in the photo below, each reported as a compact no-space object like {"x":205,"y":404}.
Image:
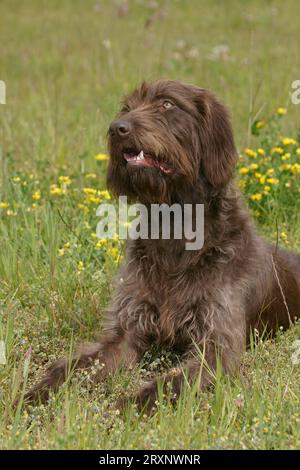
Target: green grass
{"x":66,"y":65}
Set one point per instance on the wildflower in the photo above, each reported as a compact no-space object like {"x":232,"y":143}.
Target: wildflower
{"x":261,"y":152}
{"x":11,"y":213}
{"x":114,"y":253}
{"x":288,"y":141}
{"x":256,"y":197}
{"x":286,"y":156}
{"x":80,"y":266}
{"x":101,"y":243}
{"x":89,"y":191}
{"x":66,"y":180}
{"x":273,"y":181}
{"x":262,"y":179}
{"x":281,"y":111}
{"x":283,"y":236}
{"x":83,"y":207}
{"x":36,"y":196}
{"x":250,"y":153}
{"x":253,"y":166}
{"x":270,"y":172}
{"x":105,"y":194}
{"x":101,"y":157}
{"x":244,"y":171}
{"x":296,"y":169}
{"x":90,"y":199}
{"x":56,"y":191}
{"x":4,"y":205}
{"x":278,"y":150}
{"x":91,"y":176}
{"x":298,"y":151}
{"x":16,"y":179}
{"x":260,"y":124}
{"x":267,"y":189}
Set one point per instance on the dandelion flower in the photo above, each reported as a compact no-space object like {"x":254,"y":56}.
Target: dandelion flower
{"x":256,"y":197}
{"x":101,"y":157}
{"x":281,"y":111}
{"x":36,"y":196}
{"x":250,"y":153}
{"x":288,"y":141}
{"x":244,"y":171}
{"x":65,"y":180}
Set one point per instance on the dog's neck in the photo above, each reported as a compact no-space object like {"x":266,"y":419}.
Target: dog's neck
{"x":225,"y":220}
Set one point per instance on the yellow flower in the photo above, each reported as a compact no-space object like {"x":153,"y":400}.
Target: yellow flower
{"x":36,"y":196}
{"x":90,"y":199}
{"x":296,"y":169}
{"x":83,"y":207}
{"x":16,"y":179}
{"x":260,"y":124}
{"x":278,"y":150}
{"x":288,"y":141}
{"x":285,"y":167}
{"x":114,"y":253}
{"x":11,"y":213}
{"x":261,"y":152}
{"x":285,"y":157}
{"x":56,"y":191}
{"x":4,"y":205}
{"x":298,"y":151}
{"x":89,"y":191}
{"x":254,"y":166}
{"x":61,"y":252}
{"x":241,"y":184}
{"x":250,"y":153}
{"x":244,"y":171}
{"x":262,"y":179}
{"x":256,"y":197}
{"x":281,"y":111}
{"x":80,"y":266}
{"x":284,"y":236}
{"x":65,"y":180}
{"x":270,"y":172}
{"x":101,"y":157}
{"x":91,"y":176}
{"x":267,"y":189}
{"x":105,"y":194}
{"x":272,"y":181}
{"x":100,"y":243}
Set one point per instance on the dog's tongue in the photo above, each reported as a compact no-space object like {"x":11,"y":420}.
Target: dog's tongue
{"x":145,"y":161}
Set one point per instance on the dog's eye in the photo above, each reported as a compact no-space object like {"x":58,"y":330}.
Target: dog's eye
{"x":125,"y":109}
{"x":167,"y":104}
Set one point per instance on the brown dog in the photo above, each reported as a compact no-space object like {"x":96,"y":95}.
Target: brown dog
{"x":207,"y":300}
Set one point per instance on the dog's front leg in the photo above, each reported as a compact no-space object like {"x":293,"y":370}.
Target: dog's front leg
{"x":222,"y":345}
{"x":113,"y":352}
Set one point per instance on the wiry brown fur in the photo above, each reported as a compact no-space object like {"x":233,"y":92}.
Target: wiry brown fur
{"x":207,"y":300}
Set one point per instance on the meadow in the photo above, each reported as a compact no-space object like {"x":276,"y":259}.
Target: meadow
{"x":66,"y":65}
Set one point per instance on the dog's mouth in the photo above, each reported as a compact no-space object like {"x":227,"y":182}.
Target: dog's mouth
{"x":135,"y":158}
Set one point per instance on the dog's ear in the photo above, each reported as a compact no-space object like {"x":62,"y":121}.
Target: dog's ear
{"x":218,"y":154}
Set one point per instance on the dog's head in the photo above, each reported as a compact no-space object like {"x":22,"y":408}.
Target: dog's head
{"x":169,"y":137}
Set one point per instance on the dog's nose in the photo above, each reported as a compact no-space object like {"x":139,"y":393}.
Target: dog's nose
{"x":122,"y":128}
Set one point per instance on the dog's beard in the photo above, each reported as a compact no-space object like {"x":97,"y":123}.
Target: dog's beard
{"x":142,"y":175}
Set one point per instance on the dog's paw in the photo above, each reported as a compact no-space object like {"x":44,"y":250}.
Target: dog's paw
{"x":54,"y":377}
{"x":145,"y":400}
